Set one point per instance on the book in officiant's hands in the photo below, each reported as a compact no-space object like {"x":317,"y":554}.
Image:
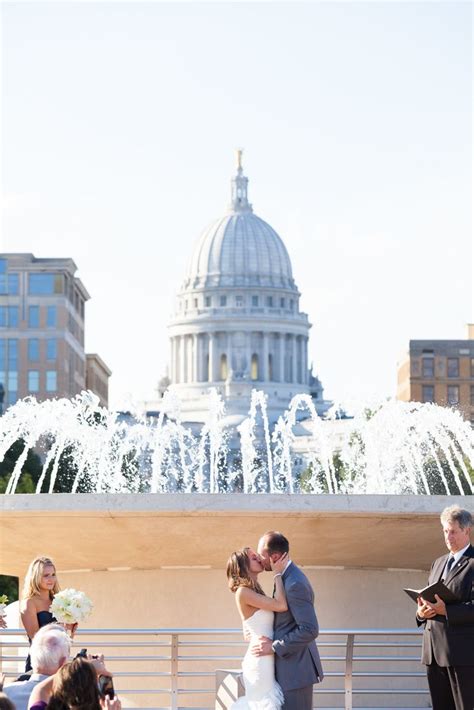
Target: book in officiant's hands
{"x":428,"y":593}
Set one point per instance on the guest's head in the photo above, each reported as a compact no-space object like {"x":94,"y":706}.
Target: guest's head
{"x":5,"y":702}
{"x":50,"y":649}
{"x":457,"y":525}
{"x":40,"y":577}
{"x":271,"y":546}
{"x":75,"y":686}
{"x":243,"y":568}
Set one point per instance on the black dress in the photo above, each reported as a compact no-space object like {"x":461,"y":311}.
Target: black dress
{"x":44,"y":618}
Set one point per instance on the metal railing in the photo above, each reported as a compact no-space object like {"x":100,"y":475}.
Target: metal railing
{"x":176,"y":664}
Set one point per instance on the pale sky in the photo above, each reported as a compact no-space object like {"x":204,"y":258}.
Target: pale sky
{"x":119,"y":122}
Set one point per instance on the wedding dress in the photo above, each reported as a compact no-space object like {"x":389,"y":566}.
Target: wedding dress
{"x":262,"y":692}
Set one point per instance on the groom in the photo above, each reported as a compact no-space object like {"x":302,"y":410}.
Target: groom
{"x":297,"y":662}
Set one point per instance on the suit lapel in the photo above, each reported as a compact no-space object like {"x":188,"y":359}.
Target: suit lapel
{"x":439,"y":569}
{"x":459,"y":566}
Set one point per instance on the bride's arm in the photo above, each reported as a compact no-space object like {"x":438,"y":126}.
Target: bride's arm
{"x":247,"y":597}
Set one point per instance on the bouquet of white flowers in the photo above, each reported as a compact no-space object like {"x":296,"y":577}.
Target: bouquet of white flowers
{"x":3,"y":604}
{"x":70,"y":606}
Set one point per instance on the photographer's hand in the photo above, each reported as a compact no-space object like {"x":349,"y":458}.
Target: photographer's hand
{"x":99,"y":664}
{"x":111,"y":704}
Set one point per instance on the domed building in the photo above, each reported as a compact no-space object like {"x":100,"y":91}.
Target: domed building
{"x":238,"y":325}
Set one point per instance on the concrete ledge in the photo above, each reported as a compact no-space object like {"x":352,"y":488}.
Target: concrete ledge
{"x":220,"y":503}
{"x":156,"y":531}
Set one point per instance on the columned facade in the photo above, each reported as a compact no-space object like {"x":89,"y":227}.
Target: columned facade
{"x":237,"y":324}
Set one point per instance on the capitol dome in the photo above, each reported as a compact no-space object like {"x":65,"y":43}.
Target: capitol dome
{"x":237,"y":323}
{"x":240,"y":249}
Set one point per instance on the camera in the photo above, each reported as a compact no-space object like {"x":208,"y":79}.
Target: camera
{"x":106,"y":686}
{"x":82,"y":653}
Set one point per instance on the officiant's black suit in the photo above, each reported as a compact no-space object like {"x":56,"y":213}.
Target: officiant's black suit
{"x":448,"y":641}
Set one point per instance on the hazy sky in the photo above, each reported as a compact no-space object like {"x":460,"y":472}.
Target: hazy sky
{"x":119,"y":122}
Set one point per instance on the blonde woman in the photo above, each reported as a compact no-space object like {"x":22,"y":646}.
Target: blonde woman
{"x":41,"y":584}
{"x":256,"y":610}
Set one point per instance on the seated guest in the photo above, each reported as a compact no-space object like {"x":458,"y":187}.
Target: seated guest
{"x":5,"y":702}
{"x":49,"y":651}
{"x":74,"y":687}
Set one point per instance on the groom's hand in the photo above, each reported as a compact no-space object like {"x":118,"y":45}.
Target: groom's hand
{"x":262,"y":647}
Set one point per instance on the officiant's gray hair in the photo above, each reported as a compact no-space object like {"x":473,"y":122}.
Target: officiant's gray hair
{"x":456,"y":514}
{"x":50,"y":648}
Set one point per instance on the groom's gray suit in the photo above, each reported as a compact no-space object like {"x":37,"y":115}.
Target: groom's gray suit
{"x":297,"y":662}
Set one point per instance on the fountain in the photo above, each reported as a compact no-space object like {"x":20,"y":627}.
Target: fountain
{"x":155,"y":508}
{"x":396,"y":448}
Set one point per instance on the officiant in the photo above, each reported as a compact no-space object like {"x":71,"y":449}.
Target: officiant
{"x":448,"y":636}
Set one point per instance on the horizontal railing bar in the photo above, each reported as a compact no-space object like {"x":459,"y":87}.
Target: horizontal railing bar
{"x":220,"y":632}
{"x":387,"y":658}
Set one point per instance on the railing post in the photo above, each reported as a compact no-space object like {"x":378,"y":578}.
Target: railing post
{"x":174,"y":671}
{"x":348,"y":671}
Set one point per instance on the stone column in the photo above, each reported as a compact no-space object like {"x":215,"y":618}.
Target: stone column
{"x":172,"y":371}
{"x":249,"y":355}
{"x":282,"y":357}
{"x":229,"y":353}
{"x":182,"y":359}
{"x":195,"y":376}
{"x":211,"y":373}
{"x":265,"y":373}
{"x":294,"y":376}
{"x":305,"y":361}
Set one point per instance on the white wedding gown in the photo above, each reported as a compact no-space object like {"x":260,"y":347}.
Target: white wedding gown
{"x":262,"y":692}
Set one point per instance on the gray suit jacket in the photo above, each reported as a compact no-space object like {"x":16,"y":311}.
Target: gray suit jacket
{"x":297,"y":662}
{"x":449,"y":640}
{"x":19,"y":692}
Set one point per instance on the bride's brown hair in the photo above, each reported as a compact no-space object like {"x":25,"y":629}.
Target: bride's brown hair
{"x":238,"y":572}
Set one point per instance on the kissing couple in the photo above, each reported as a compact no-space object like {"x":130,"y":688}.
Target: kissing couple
{"x":282,"y":660}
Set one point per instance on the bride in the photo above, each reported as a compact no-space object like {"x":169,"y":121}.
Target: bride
{"x":262,"y":692}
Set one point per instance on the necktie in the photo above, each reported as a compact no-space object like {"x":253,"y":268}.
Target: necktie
{"x":449,"y":565}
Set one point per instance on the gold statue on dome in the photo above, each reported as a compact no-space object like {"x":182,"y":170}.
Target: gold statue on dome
{"x":238,"y":153}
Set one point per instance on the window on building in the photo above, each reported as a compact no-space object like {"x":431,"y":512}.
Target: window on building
{"x":9,"y":316}
{"x":453,"y":367}
{"x":428,"y":393}
{"x":255,"y":301}
{"x":12,"y":354}
{"x":292,"y":304}
{"x":270,"y":367}
{"x":282,"y":302}
{"x":9,"y":284}
{"x":269,"y":301}
{"x":223,"y":367}
{"x":51,"y":381}
{"x":45,"y":284}
{"x":208,"y":301}
{"x":51,"y":316}
{"x":428,"y":367}
{"x":223,"y":300}
{"x":239,"y":301}
{"x":254,"y":367}
{"x":13,"y":316}
{"x":33,"y":316}
{"x":472,"y":366}
{"x":453,"y":394}
{"x":33,"y":349}
{"x":33,"y":381}
{"x":51,"y":349}
{"x":12,"y":381}
{"x":195,"y":303}
{"x":472,"y":394}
